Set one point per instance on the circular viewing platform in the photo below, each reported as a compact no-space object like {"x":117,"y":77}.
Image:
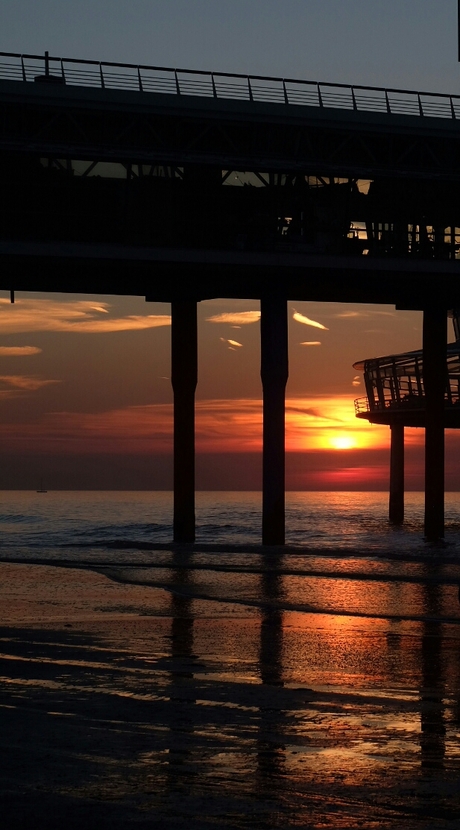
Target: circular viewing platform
{"x":396,"y":393}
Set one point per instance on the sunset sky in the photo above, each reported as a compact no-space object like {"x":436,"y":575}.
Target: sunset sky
{"x":85,"y":396}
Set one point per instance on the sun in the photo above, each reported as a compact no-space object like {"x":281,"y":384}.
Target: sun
{"x":343,"y":442}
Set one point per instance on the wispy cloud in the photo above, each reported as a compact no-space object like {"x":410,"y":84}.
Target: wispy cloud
{"x":18,"y":351}
{"x":301,"y":318}
{"x":235,"y":318}
{"x":233,"y":344}
{"x":80,"y":316}
{"x":25,"y":382}
{"x":310,"y":343}
{"x":13,"y":385}
{"x":228,"y":425}
{"x":344,"y":315}
{"x":313,"y":412}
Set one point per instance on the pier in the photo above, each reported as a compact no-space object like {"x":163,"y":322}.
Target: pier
{"x":181,"y":186}
{"x":417,"y":389}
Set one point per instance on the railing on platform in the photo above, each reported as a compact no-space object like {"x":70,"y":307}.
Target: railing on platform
{"x":396,"y":382}
{"x":224,"y":85}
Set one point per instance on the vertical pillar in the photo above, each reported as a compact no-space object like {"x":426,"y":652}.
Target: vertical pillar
{"x":434,"y":379}
{"x":397,"y":474}
{"x":184,"y":375}
{"x":274,"y":374}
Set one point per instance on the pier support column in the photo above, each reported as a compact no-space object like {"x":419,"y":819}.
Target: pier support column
{"x":397,"y":474}
{"x":274,"y":373}
{"x":434,"y":379}
{"x":184,"y":375}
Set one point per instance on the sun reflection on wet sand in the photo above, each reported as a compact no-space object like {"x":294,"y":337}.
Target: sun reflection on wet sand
{"x":176,"y":695}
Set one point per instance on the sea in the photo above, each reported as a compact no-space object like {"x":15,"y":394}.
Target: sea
{"x":89,"y":523}
{"x":344,"y":537}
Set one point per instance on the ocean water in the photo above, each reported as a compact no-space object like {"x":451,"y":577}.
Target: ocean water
{"x":343,"y":540}
{"x":39,"y":524}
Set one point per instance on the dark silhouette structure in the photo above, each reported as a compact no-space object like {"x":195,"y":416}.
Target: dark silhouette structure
{"x":180,"y":186}
{"x":400,"y":390}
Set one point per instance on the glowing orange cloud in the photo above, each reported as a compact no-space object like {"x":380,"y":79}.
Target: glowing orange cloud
{"x":233,"y":344}
{"x":300,"y":318}
{"x":364,"y":314}
{"x":74,"y":316}
{"x":234,"y":426}
{"x":235,"y":318}
{"x":18,"y":351}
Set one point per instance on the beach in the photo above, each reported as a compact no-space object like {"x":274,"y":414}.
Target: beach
{"x":125,"y":703}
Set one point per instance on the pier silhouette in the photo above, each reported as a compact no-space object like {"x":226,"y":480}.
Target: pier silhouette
{"x":181,"y":186}
{"x":399,"y":393}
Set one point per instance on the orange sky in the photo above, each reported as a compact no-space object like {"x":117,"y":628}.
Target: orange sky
{"x":84,"y":385}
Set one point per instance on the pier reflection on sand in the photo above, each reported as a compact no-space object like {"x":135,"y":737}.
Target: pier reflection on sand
{"x":124,"y":703}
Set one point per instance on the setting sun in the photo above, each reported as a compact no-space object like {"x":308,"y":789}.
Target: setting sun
{"x":329,"y":423}
{"x":343,"y":442}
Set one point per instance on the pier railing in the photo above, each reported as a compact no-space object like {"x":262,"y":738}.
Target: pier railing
{"x":397,"y":382}
{"x":224,"y":85}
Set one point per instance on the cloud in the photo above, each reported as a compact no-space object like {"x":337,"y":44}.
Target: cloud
{"x":222,"y":426}
{"x":344,"y":315}
{"x":13,"y":385}
{"x":311,"y":343}
{"x":130,"y":323}
{"x":235,"y":318}
{"x":356,"y":381}
{"x":233,"y":343}
{"x":306,"y":321}
{"x":18,"y":351}
{"x":313,"y":412}
{"x":25,"y":381}
{"x":80,"y":316}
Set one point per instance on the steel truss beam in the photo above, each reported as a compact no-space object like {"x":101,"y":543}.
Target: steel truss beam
{"x":341,"y":146}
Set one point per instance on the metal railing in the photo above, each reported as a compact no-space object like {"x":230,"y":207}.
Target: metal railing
{"x":224,"y":85}
{"x":396,"y":382}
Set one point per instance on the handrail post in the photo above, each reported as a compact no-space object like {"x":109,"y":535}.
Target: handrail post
{"x":177,"y":82}
{"x":213,"y":81}
{"x":62,"y":69}
{"x":452,"y":110}
{"x":420,"y":107}
{"x":320,"y":97}
{"x":387,"y":99}
{"x":24,"y":76}
{"x":141,"y":88}
{"x":353,"y":98}
{"x":286,"y":99}
{"x":102,"y":76}
{"x":250,"y":89}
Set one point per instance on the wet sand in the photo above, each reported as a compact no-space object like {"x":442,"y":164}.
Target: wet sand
{"x":127,"y":706}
